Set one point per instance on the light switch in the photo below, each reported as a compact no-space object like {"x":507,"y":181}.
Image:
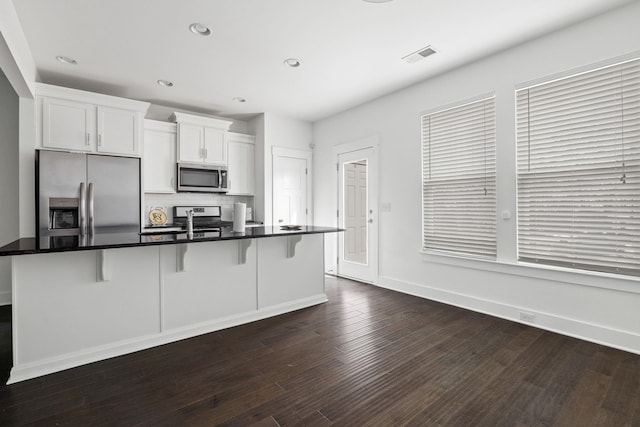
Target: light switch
{"x":506,"y":215}
{"x":386,"y":207}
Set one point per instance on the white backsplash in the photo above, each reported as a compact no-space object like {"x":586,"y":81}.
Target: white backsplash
{"x":166,"y":202}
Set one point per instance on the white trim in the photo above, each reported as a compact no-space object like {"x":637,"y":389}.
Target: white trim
{"x":598,"y":334}
{"x":54,"y":364}
{"x":52,"y":91}
{"x":366,"y":142}
{"x":160,"y":126}
{"x":292,"y":152}
{"x":615,"y":282}
{"x":14,"y":310}
{"x":212,"y":122}
{"x":240,"y":137}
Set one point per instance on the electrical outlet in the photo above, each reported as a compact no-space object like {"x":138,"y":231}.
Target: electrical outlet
{"x":527,"y":317}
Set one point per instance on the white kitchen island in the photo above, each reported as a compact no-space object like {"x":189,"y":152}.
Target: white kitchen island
{"x":79,"y":306}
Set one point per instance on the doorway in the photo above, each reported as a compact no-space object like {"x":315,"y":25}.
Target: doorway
{"x":358,"y":214}
{"x":291,"y":187}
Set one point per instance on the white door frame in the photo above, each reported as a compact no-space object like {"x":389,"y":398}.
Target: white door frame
{"x":369,"y":142}
{"x":295,"y":154}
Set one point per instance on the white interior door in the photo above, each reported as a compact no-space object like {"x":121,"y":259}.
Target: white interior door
{"x":289,"y":191}
{"x":357,"y":214}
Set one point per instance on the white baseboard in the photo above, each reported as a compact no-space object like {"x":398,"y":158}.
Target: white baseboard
{"x":598,"y":334}
{"x":5,"y":298}
{"x":71,"y":360}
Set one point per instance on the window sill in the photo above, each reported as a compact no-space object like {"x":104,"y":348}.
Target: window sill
{"x":545,"y":272}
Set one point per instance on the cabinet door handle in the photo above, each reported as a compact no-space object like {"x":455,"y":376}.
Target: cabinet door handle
{"x":206,"y":153}
{"x":99,"y":140}
{"x":88,"y":138}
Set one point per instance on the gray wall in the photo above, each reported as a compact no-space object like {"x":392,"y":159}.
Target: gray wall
{"x":9,"y":221}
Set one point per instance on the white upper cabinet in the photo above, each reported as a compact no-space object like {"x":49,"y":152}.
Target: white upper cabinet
{"x":118,"y":131}
{"x":241,"y":168}
{"x":67,"y":124}
{"x":201,"y":139}
{"x":74,"y":120}
{"x":215,"y":147}
{"x":159,"y":157}
{"x":191,"y":145}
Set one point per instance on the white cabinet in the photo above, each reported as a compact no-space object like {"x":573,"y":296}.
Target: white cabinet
{"x":75,"y":120}
{"x":241,"y":164}
{"x":67,"y":124}
{"x":215,"y":147}
{"x":201,"y":139}
{"x":118,"y":131}
{"x":191,"y":145}
{"x":159,"y":157}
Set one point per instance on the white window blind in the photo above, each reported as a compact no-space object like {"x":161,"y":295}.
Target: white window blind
{"x":459,"y":179}
{"x":579,"y":170}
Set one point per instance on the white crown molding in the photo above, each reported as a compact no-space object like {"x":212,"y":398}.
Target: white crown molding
{"x":52,"y":91}
{"x":191,"y":119}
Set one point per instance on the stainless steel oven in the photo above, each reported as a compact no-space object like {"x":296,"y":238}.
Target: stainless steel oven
{"x":194,"y":177}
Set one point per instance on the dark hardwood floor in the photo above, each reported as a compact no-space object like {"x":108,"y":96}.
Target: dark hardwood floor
{"x":367,"y":357}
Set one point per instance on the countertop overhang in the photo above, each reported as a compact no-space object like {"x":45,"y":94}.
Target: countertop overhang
{"x":32,"y":245}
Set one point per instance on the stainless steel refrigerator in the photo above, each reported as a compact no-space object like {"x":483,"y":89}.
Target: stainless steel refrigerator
{"x":83,"y":194}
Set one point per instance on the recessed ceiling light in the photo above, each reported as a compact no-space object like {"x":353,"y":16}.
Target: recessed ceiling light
{"x":292,"y":62}
{"x":66,"y":60}
{"x":239,"y":99}
{"x":165,"y":83}
{"x":199,"y":29}
{"x":419,"y":54}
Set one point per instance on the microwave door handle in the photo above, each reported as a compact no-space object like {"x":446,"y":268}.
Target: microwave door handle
{"x":90,"y":206}
{"x":82,"y":209}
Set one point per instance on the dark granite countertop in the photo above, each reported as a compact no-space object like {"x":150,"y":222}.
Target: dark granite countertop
{"x":31,"y":245}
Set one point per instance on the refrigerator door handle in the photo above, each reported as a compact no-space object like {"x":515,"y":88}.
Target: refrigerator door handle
{"x":83,"y":209}
{"x":90,"y":207}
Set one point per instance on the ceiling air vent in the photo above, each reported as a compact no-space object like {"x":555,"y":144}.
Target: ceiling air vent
{"x":420,"y":54}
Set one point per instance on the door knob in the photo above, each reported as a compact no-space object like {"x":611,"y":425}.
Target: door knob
{"x":370,"y":220}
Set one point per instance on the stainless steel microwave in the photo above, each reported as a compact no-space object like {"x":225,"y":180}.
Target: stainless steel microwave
{"x":195,"y":177}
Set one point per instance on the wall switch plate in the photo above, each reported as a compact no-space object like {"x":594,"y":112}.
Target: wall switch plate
{"x":386,"y":207}
{"x":506,"y":214}
{"x":527,"y":317}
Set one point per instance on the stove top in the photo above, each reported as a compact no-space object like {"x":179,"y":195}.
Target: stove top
{"x":205,"y":218}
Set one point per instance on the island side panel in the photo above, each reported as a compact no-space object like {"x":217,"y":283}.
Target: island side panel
{"x":61,"y":310}
{"x":295,"y":279}
{"x":213,"y":287}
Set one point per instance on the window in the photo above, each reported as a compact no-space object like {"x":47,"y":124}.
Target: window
{"x":578,"y":142}
{"x":459,"y":179}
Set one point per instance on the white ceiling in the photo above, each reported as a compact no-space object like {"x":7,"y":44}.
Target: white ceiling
{"x":350,"y":50}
